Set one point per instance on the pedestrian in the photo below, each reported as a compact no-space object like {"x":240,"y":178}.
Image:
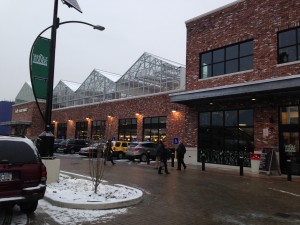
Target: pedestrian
{"x":157,"y":157}
{"x":180,"y":151}
{"x":163,"y":158}
{"x":108,"y":156}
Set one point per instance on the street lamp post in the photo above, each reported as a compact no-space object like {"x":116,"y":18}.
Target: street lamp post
{"x":47,"y":138}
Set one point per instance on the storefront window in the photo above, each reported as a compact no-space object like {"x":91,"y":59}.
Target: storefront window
{"x":98,"y":130}
{"x":81,"y":130}
{"x":154,"y":128}
{"x":127,"y":129}
{"x":62,"y":131}
{"x":227,"y":136}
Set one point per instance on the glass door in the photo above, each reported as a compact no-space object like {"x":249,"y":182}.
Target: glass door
{"x":289,"y":138}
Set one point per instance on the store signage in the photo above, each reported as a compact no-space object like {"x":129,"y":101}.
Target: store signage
{"x":175,"y":141}
{"x":290,"y":148}
{"x":39,"y":65}
{"x":21,"y":110}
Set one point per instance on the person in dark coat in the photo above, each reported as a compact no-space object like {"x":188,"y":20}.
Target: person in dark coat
{"x":180,"y":151}
{"x":163,"y":158}
{"x":108,"y":153}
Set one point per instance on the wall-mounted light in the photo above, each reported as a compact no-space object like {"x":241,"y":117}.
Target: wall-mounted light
{"x":109,"y":116}
{"x":137,"y":114}
{"x":211,"y":103}
{"x":87,"y":118}
{"x":174,"y":111}
{"x":253,"y":99}
{"x":69,"y":120}
{"x":54,"y":121}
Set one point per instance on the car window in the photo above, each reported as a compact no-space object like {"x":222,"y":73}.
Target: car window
{"x":148,"y":145}
{"x":17,"y":152}
{"x":124,"y":144}
{"x":133,"y":144}
{"x":118,"y":144}
{"x":71,"y":142}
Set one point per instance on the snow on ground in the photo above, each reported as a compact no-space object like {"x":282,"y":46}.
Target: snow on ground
{"x":81,"y":191}
{"x":76,"y":216}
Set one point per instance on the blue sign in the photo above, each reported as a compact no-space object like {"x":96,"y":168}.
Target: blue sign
{"x":148,"y":139}
{"x":133,"y":140}
{"x":175,"y":141}
{"x":113,"y":138}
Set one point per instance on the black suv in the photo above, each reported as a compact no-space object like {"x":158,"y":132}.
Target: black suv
{"x":22,"y":174}
{"x":71,"y":146}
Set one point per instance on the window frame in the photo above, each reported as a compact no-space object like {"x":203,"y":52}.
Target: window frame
{"x":222,"y":65}
{"x":295,"y":46}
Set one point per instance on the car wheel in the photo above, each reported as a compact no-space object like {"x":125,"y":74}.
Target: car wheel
{"x":29,"y":207}
{"x":120,"y":155}
{"x":144,"y":158}
{"x":72,"y":151}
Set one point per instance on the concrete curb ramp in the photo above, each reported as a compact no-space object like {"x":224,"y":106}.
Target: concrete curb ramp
{"x":122,"y":203}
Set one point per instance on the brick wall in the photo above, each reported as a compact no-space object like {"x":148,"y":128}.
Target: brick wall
{"x":249,"y":19}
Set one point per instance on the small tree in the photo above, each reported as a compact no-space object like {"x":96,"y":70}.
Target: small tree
{"x":97,"y":165}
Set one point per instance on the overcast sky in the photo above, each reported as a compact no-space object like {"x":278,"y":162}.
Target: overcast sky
{"x":132,"y":27}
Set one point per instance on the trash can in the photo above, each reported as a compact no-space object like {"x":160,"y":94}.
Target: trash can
{"x":255,"y":161}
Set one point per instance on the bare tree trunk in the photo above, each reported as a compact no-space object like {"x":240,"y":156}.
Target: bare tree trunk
{"x":96,"y":166}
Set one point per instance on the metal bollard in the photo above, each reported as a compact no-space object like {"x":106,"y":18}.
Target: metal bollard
{"x":289,"y":169}
{"x":241,"y":166}
{"x":203,"y":162}
{"x":172,"y":150}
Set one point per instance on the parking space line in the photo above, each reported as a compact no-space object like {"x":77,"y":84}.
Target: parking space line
{"x":285,"y":192}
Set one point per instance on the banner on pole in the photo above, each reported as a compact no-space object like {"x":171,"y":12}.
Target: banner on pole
{"x":39,"y":65}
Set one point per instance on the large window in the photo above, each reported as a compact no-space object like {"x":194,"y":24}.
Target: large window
{"x":155,"y":128}
{"x":62,"y":131}
{"x":81,"y":130}
{"x":224,"y":136}
{"x":289,"y":45}
{"x":98,"y":130}
{"x":127,"y":129}
{"x":230,"y":59}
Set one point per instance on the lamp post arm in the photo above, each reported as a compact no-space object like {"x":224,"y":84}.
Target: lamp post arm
{"x":97,"y":27}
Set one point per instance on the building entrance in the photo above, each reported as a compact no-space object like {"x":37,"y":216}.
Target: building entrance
{"x":289,"y":139}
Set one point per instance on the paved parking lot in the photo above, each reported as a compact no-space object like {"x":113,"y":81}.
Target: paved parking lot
{"x":217,"y":196}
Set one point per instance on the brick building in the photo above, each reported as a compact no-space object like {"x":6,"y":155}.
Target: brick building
{"x":243,"y":80}
{"x":239,"y":94}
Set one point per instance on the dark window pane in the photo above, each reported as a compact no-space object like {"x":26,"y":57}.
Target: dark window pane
{"x":232,"y":52}
{"x":206,"y":58}
{"x":231,"y":118}
{"x":163,"y":119}
{"x":298,"y":52}
{"x":204,"y":119}
{"x":246,"y":137}
{"x":232,"y":66}
{"x":217,"y":118}
{"x":147,"y":120}
{"x":231,"y":139}
{"x":246,"y":63}
{"x":218,"y":69}
{"x":246,"y":117}
{"x":154,"y":120}
{"x":246,"y":48}
{"x":206,"y":71}
{"x":287,"y":38}
{"x":204,"y":138}
{"x":218,"y":138}
{"x":218,"y":55}
{"x":287,"y":54}
{"x":298,"y":35}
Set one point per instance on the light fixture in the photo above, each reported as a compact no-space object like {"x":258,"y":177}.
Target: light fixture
{"x":137,"y":114}
{"x":174,"y":111}
{"x":253,"y":99}
{"x":211,"y":103}
{"x":54,"y":121}
{"x":69,"y":120}
{"x":87,"y":118}
{"x":109,"y":116}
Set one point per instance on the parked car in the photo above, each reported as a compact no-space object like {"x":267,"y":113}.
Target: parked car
{"x":56,"y":144}
{"x":22,"y":174}
{"x":141,"y":151}
{"x":92,"y":150}
{"x":71,"y":146}
{"x":119,"y":148}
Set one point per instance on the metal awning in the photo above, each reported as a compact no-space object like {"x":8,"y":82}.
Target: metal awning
{"x":289,"y":85}
{"x":16,"y":123}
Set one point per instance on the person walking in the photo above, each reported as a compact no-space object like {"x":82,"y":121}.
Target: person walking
{"x":180,"y":151}
{"x":157,"y":157}
{"x":163,"y":158}
{"x":108,"y":153}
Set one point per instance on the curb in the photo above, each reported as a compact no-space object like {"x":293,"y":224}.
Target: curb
{"x":97,"y":205}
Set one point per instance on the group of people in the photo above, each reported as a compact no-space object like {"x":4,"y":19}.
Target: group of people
{"x":162,"y":157}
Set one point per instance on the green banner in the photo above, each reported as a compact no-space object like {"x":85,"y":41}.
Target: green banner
{"x":39,"y":63}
